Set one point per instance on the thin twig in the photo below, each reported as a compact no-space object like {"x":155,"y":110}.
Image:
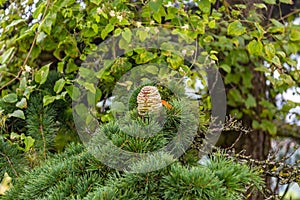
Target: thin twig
{"x":44,"y":140}
{"x":10,"y":163}
{"x":285,"y":191}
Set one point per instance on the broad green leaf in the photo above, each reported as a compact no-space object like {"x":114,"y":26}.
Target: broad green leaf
{"x":41,"y":75}
{"x":95,"y":28}
{"x":142,"y":34}
{"x":48,"y":22}
{"x":278,"y":27}
{"x":123,"y":44}
{"x":157,"y":17}
{"x":5,"y":57}
{"x":226,"y":68}
{"x":208,"y":39}
{"x":232,"y":78}
{"x":63,"y":3}
{"x":250,"y":101}
{"x":10,"y":98}
{"x":29,"y":142}
{"x":287,"y":1}
{"x":118,"y":107}
{"x":86,"y":73}
{"x":269,"y":126}
{"x":59,"y":85}
{"x":97,"y":2}
{"x":270,"y":1}
{"x":295,"y":34}
{"x":22,"y":103}
{"x":73,"y":92}
{"x":214,"y":57}
{"x":155,"y":5}
{"x":60,"y":67}
{"x":255,"y":124}
{"x":255,"y":48}
{"x":171,"y":12}
{"x":39,"y":10}
{"x":108,"y":28}
{"x":270,"y":50}
{"x":261,"y":5}
{"x":246,"y":78}
{"x":91,"y":99}
{"x":276,"y":61}
{"x":90,"y":87}
{"x":260,"y":30}
{"x":18,"y":114}
{"x":36,"y":50}
{"x":14,"y":135}
{"x":71,"y":67}
{"x":262,"y":69}
{"x":236,"y":94}
{"x":81,"y":109}
{"x":145,"y":57}
{"x":204,"y":6}
{"x":48,"y":99}
{"x":152,"y":69}
{"x":281,"y":54}
{"x":236,"y":28}
{"x":212,"y":24}
{"x":117,"y":31}
{"x":127,"y":34}
{"x":23,"y":83}
{"x":15,"y":22}
{"x":89,"y":32}
{"x":41,"y":36}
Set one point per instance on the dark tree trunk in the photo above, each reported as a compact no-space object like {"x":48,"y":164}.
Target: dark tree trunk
{"x":256,"y":143}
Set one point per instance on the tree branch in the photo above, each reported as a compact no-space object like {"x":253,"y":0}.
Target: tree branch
{"x":287,"y":130}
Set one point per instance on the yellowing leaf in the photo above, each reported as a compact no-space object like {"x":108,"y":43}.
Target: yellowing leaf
{"x":287,"y":1}
{"x":22,"y":103}
{"x":236,"y":28}
{"x":261,"y":5}
{"x":295,"y":34}
{"x":270,"y":50}
{"x":5,"y":184}
{"x":255,"y":48}
{"x":276,"y":61}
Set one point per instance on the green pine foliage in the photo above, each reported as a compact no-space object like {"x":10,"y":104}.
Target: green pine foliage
{"x":69,"y":174}
{"x":76,"y":174}
{"x":41,"y":124}
{"x":11,"y":159}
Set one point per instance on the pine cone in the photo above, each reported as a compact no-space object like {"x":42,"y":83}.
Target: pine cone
{"x":148,"y":100}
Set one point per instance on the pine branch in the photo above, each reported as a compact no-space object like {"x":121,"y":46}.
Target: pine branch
{"x":10,"y":163}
